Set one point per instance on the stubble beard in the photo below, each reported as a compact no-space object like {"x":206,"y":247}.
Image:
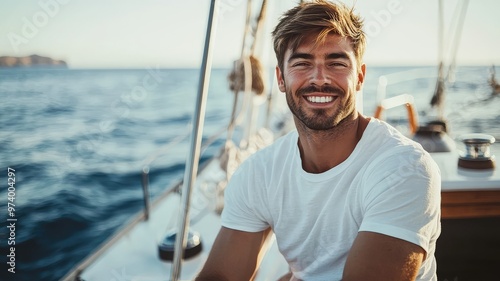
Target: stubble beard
{"x":320,"y":119}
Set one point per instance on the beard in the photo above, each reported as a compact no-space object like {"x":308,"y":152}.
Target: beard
{"x":320,"y":119}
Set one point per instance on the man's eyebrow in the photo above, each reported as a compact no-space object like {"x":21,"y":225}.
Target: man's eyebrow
{"x":337,"y":55}
{"x":300,"y":56}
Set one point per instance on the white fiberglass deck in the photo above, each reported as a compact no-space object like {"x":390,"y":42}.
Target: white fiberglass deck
{"x":135,"y":255}
{"x":454,"y":178}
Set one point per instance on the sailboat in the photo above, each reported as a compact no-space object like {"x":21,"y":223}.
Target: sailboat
{"x":172,"y":236}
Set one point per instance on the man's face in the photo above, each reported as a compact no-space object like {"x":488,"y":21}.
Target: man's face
{"x":320,"y":81}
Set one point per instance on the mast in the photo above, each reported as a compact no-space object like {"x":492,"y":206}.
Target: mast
{"x":194,"y":153}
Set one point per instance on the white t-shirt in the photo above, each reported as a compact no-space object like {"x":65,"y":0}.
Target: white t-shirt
{"x":388,"y":185}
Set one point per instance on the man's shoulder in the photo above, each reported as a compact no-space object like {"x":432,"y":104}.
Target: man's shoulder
{"x":389,"y":137}
{"x":389,"y":146}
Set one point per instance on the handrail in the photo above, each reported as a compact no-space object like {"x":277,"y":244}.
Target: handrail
{"x":403,"y":99}
{"x":145,"y":169}
{"x":75,"y":272}
{"x":194,"y":153}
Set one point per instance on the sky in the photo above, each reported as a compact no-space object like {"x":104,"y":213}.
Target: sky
{"x":171,"y":33}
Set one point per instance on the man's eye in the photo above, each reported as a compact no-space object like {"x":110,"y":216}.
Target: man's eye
{"x":338,"y":64}
{"x":300,"y":64}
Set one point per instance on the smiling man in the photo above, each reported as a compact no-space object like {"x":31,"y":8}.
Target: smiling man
{"x":337,"y":191}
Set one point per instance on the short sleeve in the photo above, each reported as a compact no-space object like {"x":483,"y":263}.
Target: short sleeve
{"x":242,"y":203}
{"x":402,"y":197}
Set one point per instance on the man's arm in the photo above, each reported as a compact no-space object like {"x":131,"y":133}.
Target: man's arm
{"x":234,"y":255}
{"x":376,"y":256}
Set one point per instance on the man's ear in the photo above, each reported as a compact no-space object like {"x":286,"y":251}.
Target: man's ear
{"x":361,"y":77}
{"x":279,"y":78}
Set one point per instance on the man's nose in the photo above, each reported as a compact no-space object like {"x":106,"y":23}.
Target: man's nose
{"x":320,"y":76}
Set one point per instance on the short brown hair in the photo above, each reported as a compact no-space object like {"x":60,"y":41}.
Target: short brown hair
{"x":322,"y":17}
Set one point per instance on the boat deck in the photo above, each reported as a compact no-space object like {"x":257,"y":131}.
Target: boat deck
{"x":470,"y":210}
{"x":455,"y":178}
{"x":135,"y":256}
{"x":467,"y":193}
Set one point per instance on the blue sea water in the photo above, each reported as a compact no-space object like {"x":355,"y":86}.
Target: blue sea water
{"x":78,"y":140}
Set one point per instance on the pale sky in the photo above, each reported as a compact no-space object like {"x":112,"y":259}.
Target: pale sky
{"x":168,"y":33}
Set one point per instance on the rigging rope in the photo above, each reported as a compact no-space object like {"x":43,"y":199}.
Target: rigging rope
{"x":247,"y":77}
{"x":457,"y":36}
{"x":437,"y":99}
{"x":247,"y":73}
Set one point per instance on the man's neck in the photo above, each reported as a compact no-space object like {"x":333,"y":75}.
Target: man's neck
{"x":323,"y":150}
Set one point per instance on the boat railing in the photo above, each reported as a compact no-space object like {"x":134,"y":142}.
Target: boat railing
{"x":400,"y":100}
{"x":164,"y":150}
{"x":194,"y":152}
{"x":145,"y":189}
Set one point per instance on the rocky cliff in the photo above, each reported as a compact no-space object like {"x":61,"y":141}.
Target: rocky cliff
{"x":33,"y":60}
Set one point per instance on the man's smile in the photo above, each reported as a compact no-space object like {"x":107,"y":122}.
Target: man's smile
{"x":320,"y":99}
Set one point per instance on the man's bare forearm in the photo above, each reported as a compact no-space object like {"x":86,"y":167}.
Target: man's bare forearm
{"x":210,"y":277}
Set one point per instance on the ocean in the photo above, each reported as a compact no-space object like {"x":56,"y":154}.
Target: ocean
{"x":76,"y":141}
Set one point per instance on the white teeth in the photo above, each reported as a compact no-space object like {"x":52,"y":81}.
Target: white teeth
{"x":322,"y":99}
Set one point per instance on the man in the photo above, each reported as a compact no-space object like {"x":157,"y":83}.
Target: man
{"x":348,"y":197}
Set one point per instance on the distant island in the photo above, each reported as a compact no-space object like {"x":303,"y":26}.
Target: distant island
{"x":33,"y":60}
